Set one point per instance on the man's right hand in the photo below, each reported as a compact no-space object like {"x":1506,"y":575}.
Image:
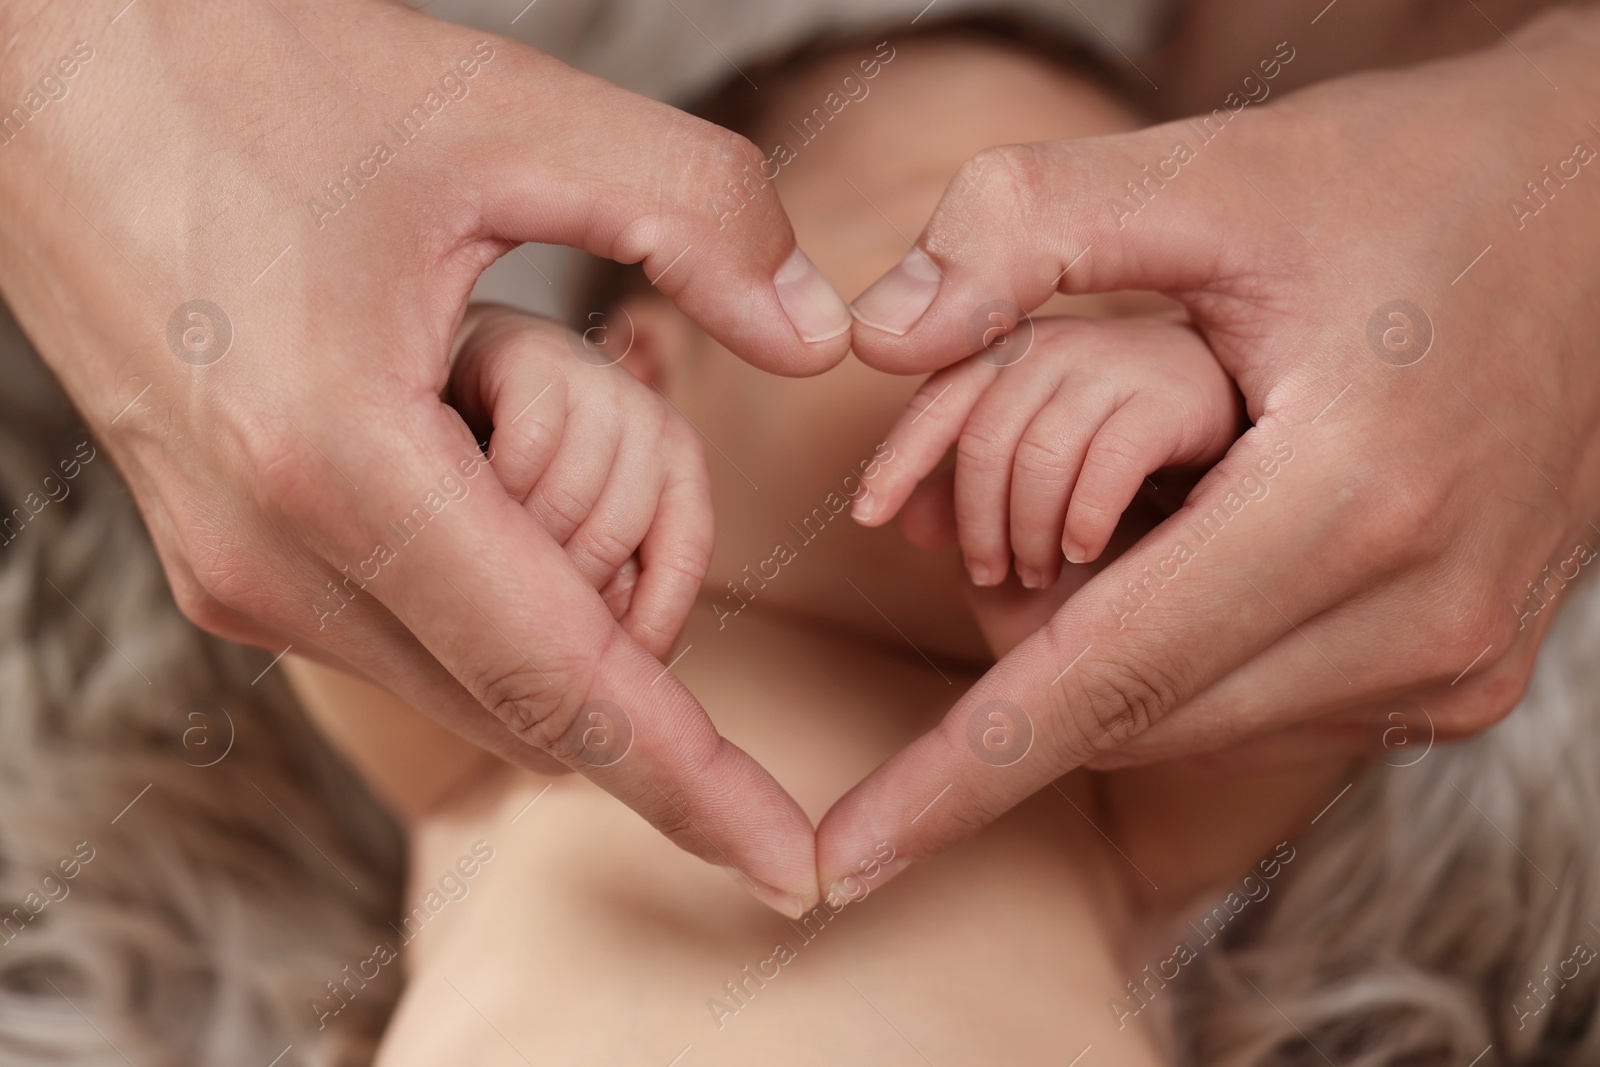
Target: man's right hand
{"x":243,"y":234}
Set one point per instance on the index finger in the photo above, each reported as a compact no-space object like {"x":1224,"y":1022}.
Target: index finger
{"x":495,"y":600}
{"x":1121,"y":654}
{"x":597,"y":167}
{"x":925,"y":430}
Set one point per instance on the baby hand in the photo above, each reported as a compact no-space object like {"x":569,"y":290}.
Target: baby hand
{"x":602,"y":460}
{"x":1051,"y":448}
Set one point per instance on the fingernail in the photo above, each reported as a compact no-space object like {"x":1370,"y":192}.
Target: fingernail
{"x":897,"y":300}
{"x":980,"y":573}
{"x":786,"y":904}
{"x":1030,"y":578}
{"x":814,"y":309}
{"x":1074,"y":552}
{"x":865,"y":505}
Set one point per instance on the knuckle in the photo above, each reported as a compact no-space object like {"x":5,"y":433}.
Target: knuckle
{"x":689,"y":557}
{"x":1089,"y":515}
{"x":557,"y":506}
{"x":1116,"y":701}
{"x":980,"y":450}
{"x":1005,"y":178}
{"x":199,"y":606}
{"x":1487,"y":623}
{"x":1038,"y":461}
{"x":530,"y":702}
{"x":287,"y":477}
{"x":1403,"y":524}
{"x":1412,"y":513}
{"x":529,"y":447}
{"x":599,"y":541}
{"x":1112,"y":454}
{"x":226,"y":579}
{"x":671,"y":817}
{"x":1478,"y":632}
{"x":1483,"y":702}
{"x":539,"y":705}
{"x":729,"y":156}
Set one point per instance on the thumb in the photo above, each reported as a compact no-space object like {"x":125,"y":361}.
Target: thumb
{"x":1018,"y":223}
{"x":573,"y":160}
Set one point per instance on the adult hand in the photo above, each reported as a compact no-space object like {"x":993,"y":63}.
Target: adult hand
{"x":244,"y":234}
{"x":1413,"y":326}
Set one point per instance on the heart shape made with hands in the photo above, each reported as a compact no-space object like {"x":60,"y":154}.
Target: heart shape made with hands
{"x":631,"y":490}
{"x":639,"y":733}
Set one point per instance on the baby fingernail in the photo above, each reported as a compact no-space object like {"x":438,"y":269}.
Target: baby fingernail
{"x":1075,"y":552}
{"x":865,"y":505}
{"x":897,"y":300}
{"x":814,"y":309}
{"x":783,"y":903}
{"x":980,"y":573}
{"x":1030,"y":578}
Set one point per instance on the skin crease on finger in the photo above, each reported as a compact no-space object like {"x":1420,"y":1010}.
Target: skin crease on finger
{"x":821,"y":665}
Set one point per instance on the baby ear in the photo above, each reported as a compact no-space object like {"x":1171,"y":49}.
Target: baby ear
{"x":645,"y":334}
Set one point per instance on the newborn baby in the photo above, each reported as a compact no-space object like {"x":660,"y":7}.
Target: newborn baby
{"x":821,"y":647}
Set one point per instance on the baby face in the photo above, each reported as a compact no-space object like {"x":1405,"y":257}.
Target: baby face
{"x":861,"y":147}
